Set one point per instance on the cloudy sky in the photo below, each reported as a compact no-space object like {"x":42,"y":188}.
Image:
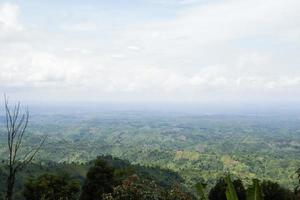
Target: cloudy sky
{"x":150,"y":50}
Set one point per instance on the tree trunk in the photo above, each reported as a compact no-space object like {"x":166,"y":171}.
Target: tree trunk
{"x":10,"y":187}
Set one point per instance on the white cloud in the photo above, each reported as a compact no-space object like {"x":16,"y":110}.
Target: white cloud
{"x":175,"y":2}
{"x":81,"y":26}
{"x":9,"y":18}
{"x":224,"y":47}
{"x":134,"y":48}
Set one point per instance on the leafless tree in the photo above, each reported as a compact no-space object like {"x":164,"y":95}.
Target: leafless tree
{"x":18,"y":156}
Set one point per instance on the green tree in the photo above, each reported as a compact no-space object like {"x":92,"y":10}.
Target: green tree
{"x":52,"y":187}
{"x":273,"y":191}
{"x":200,"y":187}
{"x":176,"y":193}
{"x":254,"y":191}
{"x":136,"y":188}
{"x":230,"y":189}
{"x":99,"y":180}
{"x":297,"y":189}
{"x":218,"y":192}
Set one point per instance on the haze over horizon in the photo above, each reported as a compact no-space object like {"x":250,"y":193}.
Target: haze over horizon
{"x":222,"y":52}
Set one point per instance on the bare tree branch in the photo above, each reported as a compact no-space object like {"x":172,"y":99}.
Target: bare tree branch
{"x":16,"y":126}
{"x":30,"y":156}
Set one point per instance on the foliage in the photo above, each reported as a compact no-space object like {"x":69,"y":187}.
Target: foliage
{"x":134,"y":182}
{"x":263,"y":147}
{"x":181,"y":149}
{"x":297,"y":189}
{"x":177,"y":194}
{"x":200,"y":191}
{"x":254,"y":191}
{"x":52,"y":187}
{"x":230,"y":189}
{"x":122,"y":170}
{"x":142,"y":189}
{"x":273,"y":191}
{"x":218,"y":192}
{"x":99,"y":180}
{"x":267,"y":191}
{"x":134,"y":188}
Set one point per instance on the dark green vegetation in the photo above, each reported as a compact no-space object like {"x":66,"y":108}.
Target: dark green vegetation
{"x":219,"y":190}
{"x":49,"y":186}
{"x":199,"y":148}
{"x":99,"y":181}
{"x":51,"y":181}
{"x":257,"y":191}
{"x":109,"y":178}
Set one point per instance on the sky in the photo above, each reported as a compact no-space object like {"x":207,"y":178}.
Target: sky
{"x":187,"y":51}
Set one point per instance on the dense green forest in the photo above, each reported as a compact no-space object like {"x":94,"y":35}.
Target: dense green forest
{"x":122,"y":170}
{"x":115,"y":179}
{"x":171,"y":150}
